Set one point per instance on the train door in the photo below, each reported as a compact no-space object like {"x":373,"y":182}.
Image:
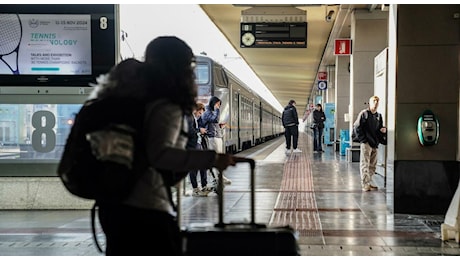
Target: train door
{"x":238,"y":116}
{"x":256,"y":122}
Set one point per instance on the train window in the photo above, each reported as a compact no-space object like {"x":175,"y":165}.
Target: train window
{"x":34,"y":132}
{"x":219,"y":77}
{"x":202,"y":73}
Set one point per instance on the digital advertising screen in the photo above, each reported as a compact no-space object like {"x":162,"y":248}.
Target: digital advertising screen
{"x":56,"y":45}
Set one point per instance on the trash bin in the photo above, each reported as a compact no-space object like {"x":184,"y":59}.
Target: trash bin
{"x":344,"y":140}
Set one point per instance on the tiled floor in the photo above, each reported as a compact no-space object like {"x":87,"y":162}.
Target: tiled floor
{"x":316,"y":193}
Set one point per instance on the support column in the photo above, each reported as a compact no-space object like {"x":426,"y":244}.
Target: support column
{"x":342,"y":92}
{"x":369,"y":34}
{"x":427,"y":69}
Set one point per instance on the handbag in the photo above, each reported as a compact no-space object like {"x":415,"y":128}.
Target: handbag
{"x":313,"y":126}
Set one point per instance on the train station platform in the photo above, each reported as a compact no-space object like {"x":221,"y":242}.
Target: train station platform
{"x":318,"y":194}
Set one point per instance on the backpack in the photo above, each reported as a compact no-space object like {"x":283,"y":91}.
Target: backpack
{"x":103,"y":152}
{"x":354,"y":134}
{"x":103,"y":156}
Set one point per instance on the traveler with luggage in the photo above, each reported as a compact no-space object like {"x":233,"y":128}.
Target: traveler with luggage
{"x":169,"y":93}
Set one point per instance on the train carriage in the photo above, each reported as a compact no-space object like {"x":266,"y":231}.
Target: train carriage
{"x":250,"y":120}
{"x":266,"y":131}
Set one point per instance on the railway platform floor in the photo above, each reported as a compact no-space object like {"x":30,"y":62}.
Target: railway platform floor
{"x":318,"y":194}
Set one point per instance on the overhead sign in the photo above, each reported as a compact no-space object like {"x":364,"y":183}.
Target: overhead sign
{"x":342,"y":47}
{"x":273,"y":35}
{"x":322,"y":85}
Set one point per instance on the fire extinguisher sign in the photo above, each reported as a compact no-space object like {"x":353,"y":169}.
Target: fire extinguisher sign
{"x":342,"y":47}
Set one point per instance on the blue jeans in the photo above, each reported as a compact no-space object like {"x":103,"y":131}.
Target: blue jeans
{"x":203,"y":178}
{"x":317,"y":134}
{"x":203,"y":174}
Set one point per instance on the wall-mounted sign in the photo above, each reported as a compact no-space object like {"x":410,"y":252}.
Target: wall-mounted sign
{"x":322,"y":85}
{"x":342,"y":47}
{"x":322,"y":75}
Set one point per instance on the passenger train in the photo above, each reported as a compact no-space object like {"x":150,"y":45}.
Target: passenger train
{"x":250,"y":119}
{"x":39,"y":131}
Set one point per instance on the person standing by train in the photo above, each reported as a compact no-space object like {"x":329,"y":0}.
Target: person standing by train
{"x":194,"y":142}
{"x":318,"y":119}
{"x":290,"y":121}
{"x":214,"y":128}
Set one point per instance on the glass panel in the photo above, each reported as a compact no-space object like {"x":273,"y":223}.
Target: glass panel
{"x":35,"y":132}
{"x":202,"y":73}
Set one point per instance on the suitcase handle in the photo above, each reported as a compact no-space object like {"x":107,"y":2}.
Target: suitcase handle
{"x":220,"y":189}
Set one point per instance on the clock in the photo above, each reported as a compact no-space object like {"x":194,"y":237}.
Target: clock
{"x":248,"y":39}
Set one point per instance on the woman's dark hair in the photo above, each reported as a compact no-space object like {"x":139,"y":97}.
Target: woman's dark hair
{"x":122,"y":80}
{"x":212,"y":102}
{"x":169,"y":72}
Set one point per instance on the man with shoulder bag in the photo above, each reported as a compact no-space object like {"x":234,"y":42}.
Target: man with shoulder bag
{"x":318,"y":121}
{"x":370,"y":132}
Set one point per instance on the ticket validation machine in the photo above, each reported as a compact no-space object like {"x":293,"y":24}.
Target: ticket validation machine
{"x":428,"y":128}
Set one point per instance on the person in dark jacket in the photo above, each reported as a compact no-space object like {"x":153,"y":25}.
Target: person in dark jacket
{"x":194,"y":142}
{"x":214,"y":128}
{"x":371,"y":133}
{"x":290,"y":121}
{"x":318,"y":119}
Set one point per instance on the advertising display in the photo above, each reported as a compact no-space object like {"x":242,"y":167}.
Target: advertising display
{"x":56,"y":45}
{"x":37,"y":44}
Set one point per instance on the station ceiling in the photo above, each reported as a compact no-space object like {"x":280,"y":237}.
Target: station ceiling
{"x":289,"y":73}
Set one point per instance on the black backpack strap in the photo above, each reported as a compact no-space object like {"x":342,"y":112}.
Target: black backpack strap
{"x":93,"y":227}
{"x":168,"y":188}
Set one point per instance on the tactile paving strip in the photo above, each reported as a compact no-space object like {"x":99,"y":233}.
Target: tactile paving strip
{"x":296,"y":203}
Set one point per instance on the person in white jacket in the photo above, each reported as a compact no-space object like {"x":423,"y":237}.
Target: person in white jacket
{"x":165,"y":83}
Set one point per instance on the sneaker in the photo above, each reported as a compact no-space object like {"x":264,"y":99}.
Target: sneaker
{"x":369,"y":187}
{"x":226,"y":180}
{"x":297,"y":150}
{"x":288,"y":151}
{"x":212,"y":194}
{"x":199,"y":193}
{"x":373,"y":187}
{"x":207,"y":189}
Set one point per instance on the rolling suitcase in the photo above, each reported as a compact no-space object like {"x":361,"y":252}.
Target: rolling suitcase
{"x":233,"y":239}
